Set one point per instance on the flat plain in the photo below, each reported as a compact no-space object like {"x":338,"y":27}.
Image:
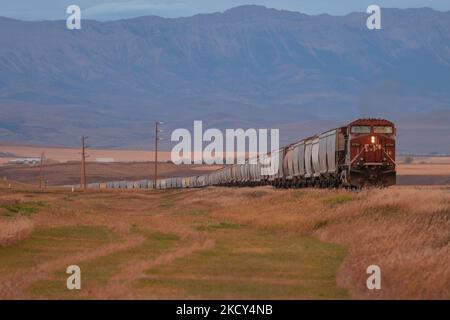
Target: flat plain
{"x":240,"y":243}
{"x":213,"y":243}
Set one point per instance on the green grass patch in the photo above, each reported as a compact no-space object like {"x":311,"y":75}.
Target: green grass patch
{"x":98,"y":271}
{"x":384,"y":210}
{"x":336,"y":200}
{"x":256,"y":194}
{"x":252,"y":266}
{"x":167,"y":202}
{"x":23,"y":208}
{"x":46,"y":244}
{"x":320,"y":224}
{"x":192,"y":212}
{"x":221,"y":225}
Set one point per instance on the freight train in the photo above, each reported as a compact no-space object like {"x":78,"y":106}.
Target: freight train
{"x":360,"y":154}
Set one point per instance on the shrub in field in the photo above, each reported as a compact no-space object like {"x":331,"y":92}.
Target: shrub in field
{"x":338,"y":199}
{"x":22,"y":208}
{"x":221,"y":225}
{"x":409,"y":159}
{"x":256,"y":194}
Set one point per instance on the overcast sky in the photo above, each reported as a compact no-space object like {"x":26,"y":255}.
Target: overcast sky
{"x":116,"y":9}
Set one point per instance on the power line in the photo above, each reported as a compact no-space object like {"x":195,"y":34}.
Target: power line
{"x":157,"y":138}
{"x":41,"y":170}
{"x":83,"y":180}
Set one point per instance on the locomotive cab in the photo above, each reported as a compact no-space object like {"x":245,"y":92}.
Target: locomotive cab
{"x":370,"y":153}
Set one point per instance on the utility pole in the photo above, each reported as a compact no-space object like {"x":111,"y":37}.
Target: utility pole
{"x":157,"y":131}
{"x":83,"y":181}
{"x":41,"y":170}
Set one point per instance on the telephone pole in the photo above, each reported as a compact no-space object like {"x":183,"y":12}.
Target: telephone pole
{"x":83,"y":181}
{"x":41,"y":170}
{"x":157,"y":131}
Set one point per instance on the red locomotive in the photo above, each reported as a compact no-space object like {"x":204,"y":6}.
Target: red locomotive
{"x":357,"y":155}
{"x":370,"y":153}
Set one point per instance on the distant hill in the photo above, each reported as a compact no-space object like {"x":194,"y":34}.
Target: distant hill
{"x":247,"y":67}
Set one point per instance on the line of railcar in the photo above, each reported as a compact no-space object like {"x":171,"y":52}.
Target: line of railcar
{"x":357,"y":155}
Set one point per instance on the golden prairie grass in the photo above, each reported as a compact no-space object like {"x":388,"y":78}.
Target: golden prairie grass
{"x":406,"y":231}
{"x":424,"y":169}
{"x":14,"y":230}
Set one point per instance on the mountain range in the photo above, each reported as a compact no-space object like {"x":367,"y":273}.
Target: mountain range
{"x":247,"y":67}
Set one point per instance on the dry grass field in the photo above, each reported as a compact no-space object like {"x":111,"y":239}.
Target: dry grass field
{"x":225,"y":243}
{"x":426,"y":159}
{"x":65,"y":154}
{"x":424,"y":169}
{"x":63,"y":174}
{"x":434,"y":172}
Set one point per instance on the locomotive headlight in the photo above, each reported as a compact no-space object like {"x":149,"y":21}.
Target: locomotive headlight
{"x":372,"y":139}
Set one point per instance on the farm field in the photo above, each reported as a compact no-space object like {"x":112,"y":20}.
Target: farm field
{"x":59,"y":174}
{"x":66,"y":154}
{"x":423,"y":173}
{"x":424,"y":169}
{"x":212,"y":243}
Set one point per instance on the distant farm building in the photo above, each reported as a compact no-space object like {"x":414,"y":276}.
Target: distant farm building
{"x":25,"y":161}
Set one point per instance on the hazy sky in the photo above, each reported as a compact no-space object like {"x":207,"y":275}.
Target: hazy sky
{"x":116,"y":9}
